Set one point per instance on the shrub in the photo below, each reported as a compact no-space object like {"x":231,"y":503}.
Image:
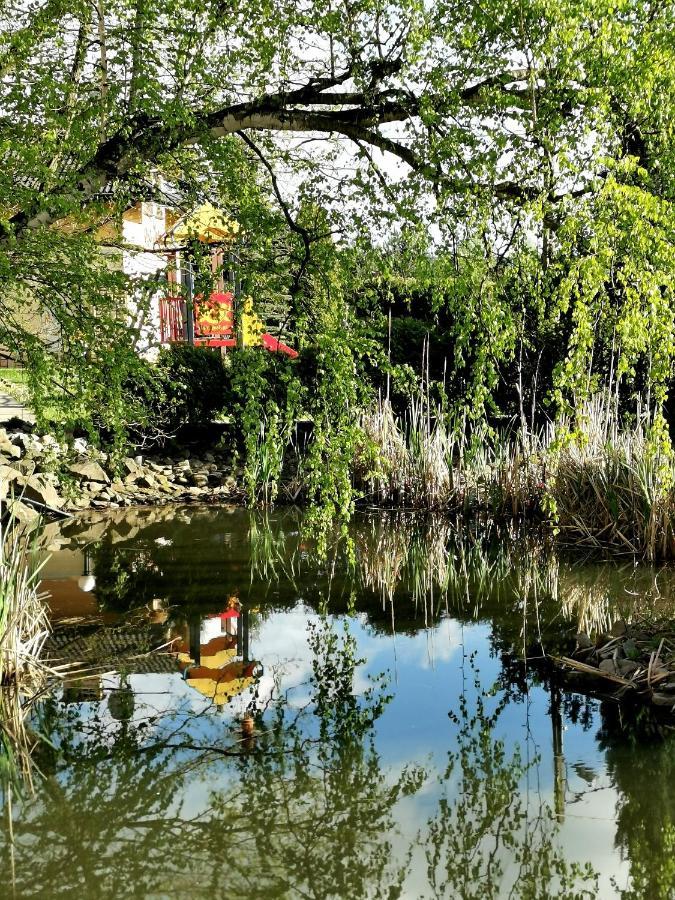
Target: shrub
{"x":186,"y":386}
{"x":195,"y":384}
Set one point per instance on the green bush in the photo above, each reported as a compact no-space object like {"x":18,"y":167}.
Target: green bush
{"x":195,"y":384}
{"x":186,"y":386}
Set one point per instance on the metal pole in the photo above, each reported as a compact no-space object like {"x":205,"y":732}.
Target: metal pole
{"x":194,"y":632}
{"x":240,"y":634}
{"x":245,"y":653}
{"x":187,"y":280}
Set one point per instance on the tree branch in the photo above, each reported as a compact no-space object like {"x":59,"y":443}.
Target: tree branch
{"x":143,"y":139}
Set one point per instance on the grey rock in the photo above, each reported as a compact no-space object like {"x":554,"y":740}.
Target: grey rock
{"x":8,"y":449}
{"x":627,"y":667}
{"x":608,"y":666}
{"x":89,"y":471}
{"x":130,"y":466}
{"x":583,"y":640}
{"x":21,"y":513}
{"x":18,"y":438}
{"x":618,"y":628}
{"x":661,"y":699}
{"x":8,"y":473}
{"x":41,"y":490}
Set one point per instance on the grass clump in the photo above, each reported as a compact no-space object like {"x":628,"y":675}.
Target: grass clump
{"x":23,"y":615}
{"x":614,"y":487}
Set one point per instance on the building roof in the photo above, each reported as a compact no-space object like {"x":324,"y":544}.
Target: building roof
{"x":206,"y":224}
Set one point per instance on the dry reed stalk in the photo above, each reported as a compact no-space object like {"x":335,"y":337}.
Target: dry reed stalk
{"x":23,"y":616}
{"x":610,"y":487}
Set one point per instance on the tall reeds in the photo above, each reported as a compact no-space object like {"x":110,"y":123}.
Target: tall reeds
{"x":614,"y":487}
{"x":602,"y":485}
{"x":424,"y":462}
{"x":23,"y":615}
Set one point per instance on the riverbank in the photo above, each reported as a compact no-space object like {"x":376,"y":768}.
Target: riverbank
{"x":599,"y":488}
{"x":40,"y":476}
{"x":635,"y":661}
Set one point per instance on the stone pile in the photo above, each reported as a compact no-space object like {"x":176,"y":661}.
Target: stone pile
{"x":636,"y":659}
{"x":60,"y":477}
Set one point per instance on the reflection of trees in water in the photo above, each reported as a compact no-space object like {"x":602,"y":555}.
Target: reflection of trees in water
{"x":640,"y":759}
{"x":314,"y":782}
{"x":303,"y":809}
{"x":415,"y":568}
{"x":318,"y":807}
{"x":487,"y":839}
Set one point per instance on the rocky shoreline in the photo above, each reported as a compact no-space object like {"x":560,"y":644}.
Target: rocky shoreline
{"x":40,"y":476}
{"x":635,"y":661}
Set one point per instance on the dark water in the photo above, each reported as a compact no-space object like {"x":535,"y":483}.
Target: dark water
{"x":375,"y":723}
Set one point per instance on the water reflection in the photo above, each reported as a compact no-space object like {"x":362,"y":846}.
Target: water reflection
{"x":307,"y":809}
{"x":114,"y":561}
{"x":244,"y":717}
{"x":487,"y":839}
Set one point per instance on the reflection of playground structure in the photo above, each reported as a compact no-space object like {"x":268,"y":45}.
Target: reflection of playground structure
{"x":213,"y":654}
{"x":211,"y":651}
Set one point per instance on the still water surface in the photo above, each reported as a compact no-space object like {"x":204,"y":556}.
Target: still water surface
{"x":373,"y":724}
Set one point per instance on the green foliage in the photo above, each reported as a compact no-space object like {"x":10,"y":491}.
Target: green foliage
{"x":265,"y":404}
{"x":186,"y":386}
{"x":523,"y":248}
{"x":195,"y":384}
{"x":478,"y":840}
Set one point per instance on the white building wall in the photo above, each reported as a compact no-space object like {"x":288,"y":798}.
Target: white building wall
{"x":146,"y":264}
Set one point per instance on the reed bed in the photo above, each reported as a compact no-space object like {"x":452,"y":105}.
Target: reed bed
{"x":23,"y":615}
{"x":424,"y":462}
{"x":614,"y":488}
{"x":17,"y":740}
{"x":599,"y":484}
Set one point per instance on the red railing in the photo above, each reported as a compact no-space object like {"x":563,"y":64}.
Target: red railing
{"x":171,"y":320}
{"x":213,"y":321}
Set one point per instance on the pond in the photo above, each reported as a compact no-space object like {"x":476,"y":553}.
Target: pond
{"x":242,"y":715}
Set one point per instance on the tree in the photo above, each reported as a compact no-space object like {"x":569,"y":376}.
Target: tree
{"x":540,"y":135}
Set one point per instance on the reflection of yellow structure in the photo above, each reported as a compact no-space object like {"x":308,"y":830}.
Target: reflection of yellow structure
{"x":206,"y":224}
{"x":213,"y":658}
{"x":213,"y":655}
{"x":222,"y":691}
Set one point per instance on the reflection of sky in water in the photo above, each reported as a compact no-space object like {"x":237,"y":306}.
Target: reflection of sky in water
{"x":428,"y":672}
{"x":194,"y":559}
